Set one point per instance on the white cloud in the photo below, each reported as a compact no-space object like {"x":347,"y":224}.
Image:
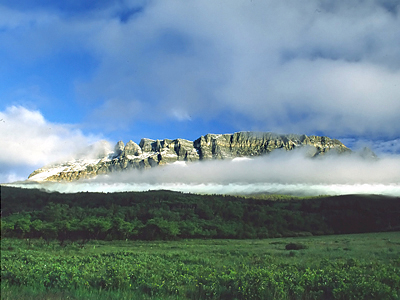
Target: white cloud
{"x":283,"y":65}
{"x":29,"y":140}
{"x":274,"y":65}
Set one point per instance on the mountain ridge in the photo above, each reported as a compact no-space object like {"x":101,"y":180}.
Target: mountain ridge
{"x":151,"y":153}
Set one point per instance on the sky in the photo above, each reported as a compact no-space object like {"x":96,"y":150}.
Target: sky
{"x":73,"y":73}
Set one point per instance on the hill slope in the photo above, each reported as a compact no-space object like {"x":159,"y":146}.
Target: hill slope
{"x":170,"y":215}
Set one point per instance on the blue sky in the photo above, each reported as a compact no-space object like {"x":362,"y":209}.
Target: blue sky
{"x":75,"y":72}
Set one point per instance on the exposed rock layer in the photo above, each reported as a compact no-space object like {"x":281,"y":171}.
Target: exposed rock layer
{"x":150,"y":153}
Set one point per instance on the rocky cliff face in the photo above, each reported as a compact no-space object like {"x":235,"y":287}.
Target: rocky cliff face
{"x":151,"y":153}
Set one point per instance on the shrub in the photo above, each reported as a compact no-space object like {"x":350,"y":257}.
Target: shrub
{"x":295,"y":246}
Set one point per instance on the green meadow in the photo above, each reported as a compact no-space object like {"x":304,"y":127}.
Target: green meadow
{"x":357,"y":266}
{"x":168,"y":245}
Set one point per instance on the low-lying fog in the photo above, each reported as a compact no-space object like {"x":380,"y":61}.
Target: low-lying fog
{"x":279,"y":172}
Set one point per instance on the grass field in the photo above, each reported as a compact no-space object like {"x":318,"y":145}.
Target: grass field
{"x":358,"y":266}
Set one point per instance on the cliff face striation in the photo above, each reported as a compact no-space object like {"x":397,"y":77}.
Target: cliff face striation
{"x":150,"y":153}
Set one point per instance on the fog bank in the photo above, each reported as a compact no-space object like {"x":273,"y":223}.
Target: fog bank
{"x":278,"y":172}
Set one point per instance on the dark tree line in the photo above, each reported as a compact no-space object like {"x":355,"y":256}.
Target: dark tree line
{"x":28,"y":213}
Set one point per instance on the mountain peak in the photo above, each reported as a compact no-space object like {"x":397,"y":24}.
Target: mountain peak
{"x":150,"y":153}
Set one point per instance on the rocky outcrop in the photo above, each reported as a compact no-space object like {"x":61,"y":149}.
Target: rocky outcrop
{"x":119,"y":148}
{"x":150,"y":153}
{"x":254,"y":144}
{"x":132,"y":148}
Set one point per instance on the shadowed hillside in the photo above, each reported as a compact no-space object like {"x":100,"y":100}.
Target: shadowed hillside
{"x":29,"y":213}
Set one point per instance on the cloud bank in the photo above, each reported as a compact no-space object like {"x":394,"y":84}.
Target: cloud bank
{"x":28,"y":141}
{"x":284,"y":66}
{"x":287,"y":66}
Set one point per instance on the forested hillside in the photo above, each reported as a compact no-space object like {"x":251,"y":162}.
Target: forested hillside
{"x":28,"y":213}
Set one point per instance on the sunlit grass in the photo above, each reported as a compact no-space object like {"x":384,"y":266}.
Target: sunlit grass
{"x":204,"y":269}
